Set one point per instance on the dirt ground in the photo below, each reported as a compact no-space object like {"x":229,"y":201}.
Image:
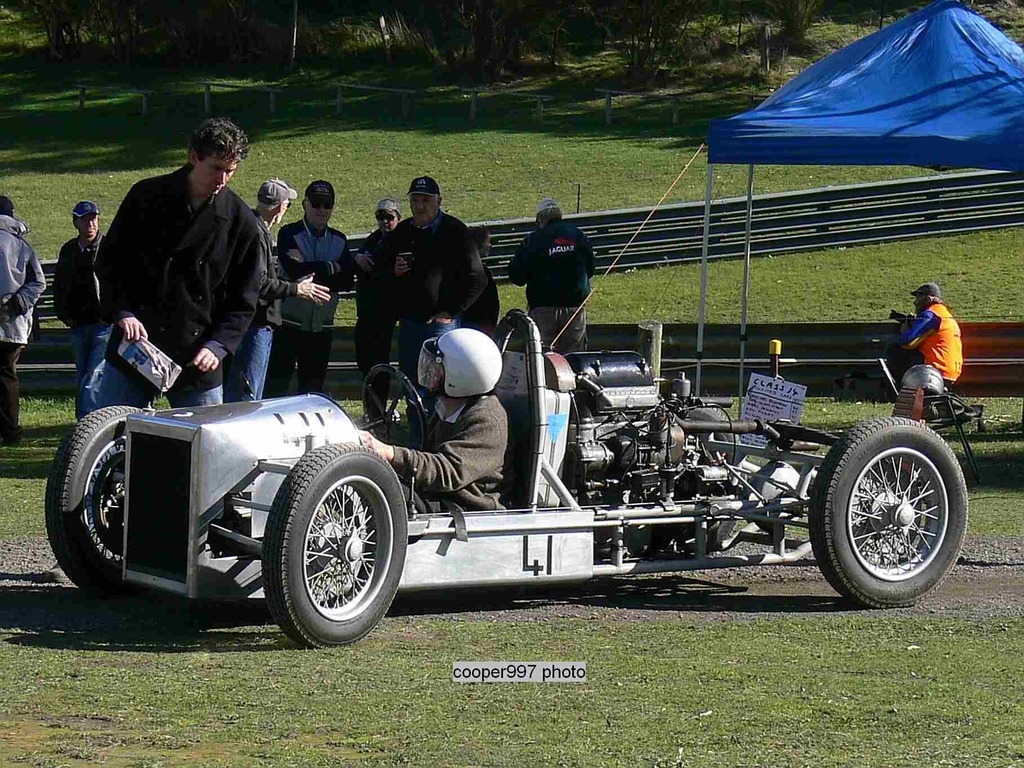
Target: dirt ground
{"x":988,"y":582}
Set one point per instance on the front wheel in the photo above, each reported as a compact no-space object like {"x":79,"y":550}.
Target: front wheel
{"x":888,"y":513}
{"x":334,"y":546}
{"x":85,"y":501}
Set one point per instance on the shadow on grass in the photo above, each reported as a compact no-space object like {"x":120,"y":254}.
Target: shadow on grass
{"x":66,"y":618}
{"x":41,"y":111}
{"x":672,"y":594}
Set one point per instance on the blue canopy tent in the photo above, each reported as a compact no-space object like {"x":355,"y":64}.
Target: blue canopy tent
{"x":940,"y":87}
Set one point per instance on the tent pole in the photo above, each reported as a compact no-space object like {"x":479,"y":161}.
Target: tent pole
{"x":704,"y":277}
{"x":746,"y":278}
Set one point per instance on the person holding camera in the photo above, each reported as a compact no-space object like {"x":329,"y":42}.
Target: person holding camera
{"x":931,"y":336}
{"x":438,"y":273}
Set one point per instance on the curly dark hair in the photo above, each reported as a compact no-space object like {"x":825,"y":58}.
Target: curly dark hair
{"x":221,"y":138}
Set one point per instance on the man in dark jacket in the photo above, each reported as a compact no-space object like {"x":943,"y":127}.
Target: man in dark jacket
{"x":76,"y":299}
{"x":309,"y":247}
{"x":376,"y":310}
{"x":179,"y":266}
{"x":439,"y":273}
{"x":247,"y":369}
{"x":555,"y":262}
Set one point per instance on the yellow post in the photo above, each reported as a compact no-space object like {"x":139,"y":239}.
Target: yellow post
{"x":774,"y":353}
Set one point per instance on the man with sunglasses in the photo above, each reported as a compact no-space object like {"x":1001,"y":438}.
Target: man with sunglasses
{"x":309,"y":247}
{"x":376,"y":314}
{"x":246,"y":373}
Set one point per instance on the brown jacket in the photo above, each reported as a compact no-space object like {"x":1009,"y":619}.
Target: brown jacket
{"x":463,"y":460}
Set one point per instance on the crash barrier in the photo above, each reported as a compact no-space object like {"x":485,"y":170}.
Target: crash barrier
{"x":144,"y":92}
{"x":855,"y":214}
{"x":826,"y":357}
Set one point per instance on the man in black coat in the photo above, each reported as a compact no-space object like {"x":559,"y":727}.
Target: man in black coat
{"x":76,"y":300}
{"x":180,"y":266}
{"x":437,"y":269}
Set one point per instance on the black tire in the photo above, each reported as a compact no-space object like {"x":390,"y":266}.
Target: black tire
{"x":85,"y":501}
{"x":334,"y":617}
{"x":896,"y":543}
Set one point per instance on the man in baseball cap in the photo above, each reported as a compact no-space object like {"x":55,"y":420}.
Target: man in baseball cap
{"x":438,"y":273}
{"x":932,"y":336}
{"x":246,"y":374}
{"x":309,"y":247}
{"x":275,"y":192}
{"x":555,"y":262}
{"x":76,"y":300}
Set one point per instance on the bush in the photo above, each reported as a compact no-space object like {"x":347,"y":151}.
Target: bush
{"x":796,"y":17}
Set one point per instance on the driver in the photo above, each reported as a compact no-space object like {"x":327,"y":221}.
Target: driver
{"x":464,"y":450}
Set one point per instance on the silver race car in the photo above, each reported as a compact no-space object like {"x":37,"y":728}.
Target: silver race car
{"x":611,"y":473}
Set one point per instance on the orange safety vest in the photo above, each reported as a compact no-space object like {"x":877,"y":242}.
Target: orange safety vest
{"x":944,"y":348}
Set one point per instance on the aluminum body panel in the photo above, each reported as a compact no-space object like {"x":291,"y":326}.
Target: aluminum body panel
{"x":528,"y":553}
{"x":228,"y":442}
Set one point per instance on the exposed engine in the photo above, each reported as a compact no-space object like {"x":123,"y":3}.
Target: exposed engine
{"x":627,"y":443}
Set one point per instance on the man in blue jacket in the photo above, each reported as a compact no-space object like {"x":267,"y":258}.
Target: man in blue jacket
{"x":309,"y":247}
{"x":555,"y":262}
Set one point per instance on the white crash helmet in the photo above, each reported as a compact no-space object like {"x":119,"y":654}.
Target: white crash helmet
{"x":465,"y":360}
{"x":925,"y":377}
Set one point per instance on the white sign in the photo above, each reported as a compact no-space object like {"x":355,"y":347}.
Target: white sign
{"x":771,"y":399}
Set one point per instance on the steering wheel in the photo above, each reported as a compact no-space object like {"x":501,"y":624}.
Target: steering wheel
{"x":381,"y":414}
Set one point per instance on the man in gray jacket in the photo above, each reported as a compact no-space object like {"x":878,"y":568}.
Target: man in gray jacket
{"x":21,"y":283}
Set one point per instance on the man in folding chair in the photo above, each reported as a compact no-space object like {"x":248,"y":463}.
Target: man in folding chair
{"x":932,"y":337}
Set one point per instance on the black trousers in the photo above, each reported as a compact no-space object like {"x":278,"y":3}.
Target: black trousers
{"x":9,"y":391}
{"x":307,"y":351}
{"x":373,"y":347}
{"x":901,"y":360}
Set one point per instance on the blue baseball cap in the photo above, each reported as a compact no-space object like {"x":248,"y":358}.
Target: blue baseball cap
{"x":85,"y":208}
{"x":6,"y":206}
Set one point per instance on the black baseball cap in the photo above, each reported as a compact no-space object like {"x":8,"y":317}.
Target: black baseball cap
{"x":928,"y":289}
{"x":6,"y":206}
{"x":320,"y":191}
{"x":424,"y":185}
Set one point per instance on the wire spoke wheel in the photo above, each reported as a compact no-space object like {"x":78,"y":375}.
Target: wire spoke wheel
{"x":334,"y":546}
{"x":888,"y":513}
{"x":898,"y":514}
{"x":341,"y":547}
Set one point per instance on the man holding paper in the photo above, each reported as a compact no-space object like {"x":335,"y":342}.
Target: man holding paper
{"x":179,"y":268}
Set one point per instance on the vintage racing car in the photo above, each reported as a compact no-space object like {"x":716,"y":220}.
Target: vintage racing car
{"x":612,"y":473}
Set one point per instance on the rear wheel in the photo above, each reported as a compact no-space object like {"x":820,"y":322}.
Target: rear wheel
{"x":888,"y":513}
{"x":85,"y":501}
{"x":334,"y":546}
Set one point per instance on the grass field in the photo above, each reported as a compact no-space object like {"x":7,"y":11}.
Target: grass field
{"x":155,"y":683}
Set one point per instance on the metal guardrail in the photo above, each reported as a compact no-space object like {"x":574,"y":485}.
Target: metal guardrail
{"x":814,"y":354}
{"x":856,"y":214}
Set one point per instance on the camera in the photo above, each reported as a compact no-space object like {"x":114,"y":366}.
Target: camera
{"x":899,"y":316}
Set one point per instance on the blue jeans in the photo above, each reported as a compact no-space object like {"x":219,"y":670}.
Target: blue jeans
{"x":249,"y":366}
{"x":88,"y":344}
{"x":411,"y":335}
{"x":117,"y":389}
